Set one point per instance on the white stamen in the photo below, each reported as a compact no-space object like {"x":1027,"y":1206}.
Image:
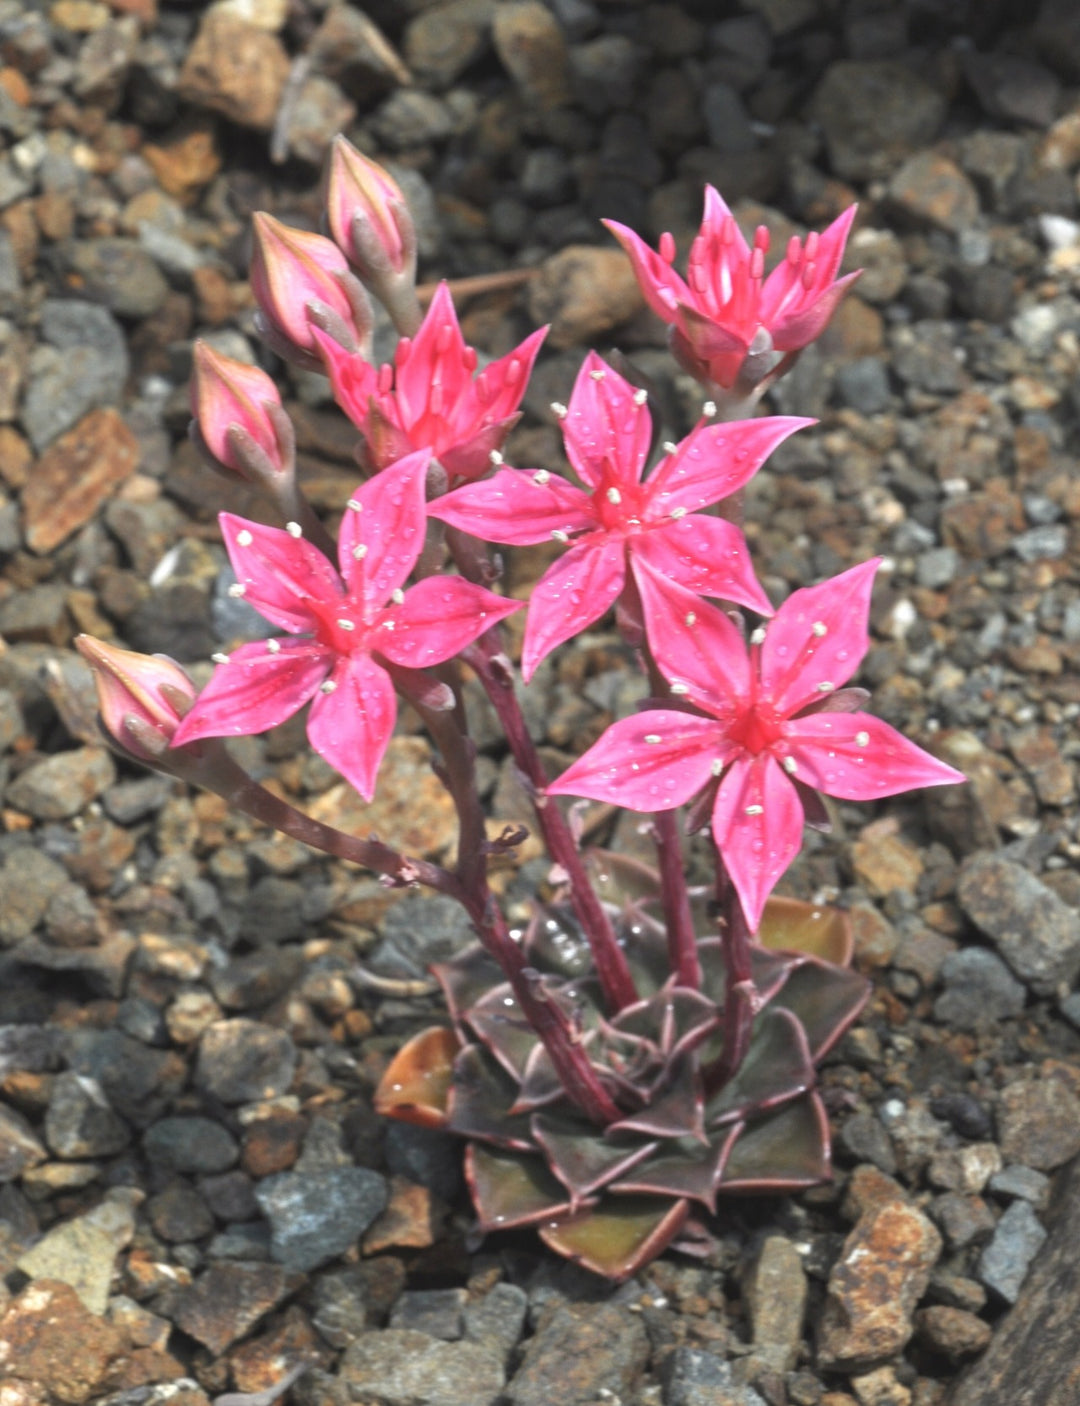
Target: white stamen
{"x":652,"y":738}
{"x":680,"y":688}
{"x":755,"y":810}
{"x":825,"y":686}
{"x":237,"y":589}
{"x":558,"y":535}
{"x":495,"y":459}
{"x":294,"y":529}
{"x":669,"y":446}
{"x":244,"y":538}
{"x":355,"y":504}
{"x":819,"y":628}
{"x":640,"y":397}
{"x":597,"y":375}
{"x":219,"y":658}
{"x":328,"y":686}
{"x":397,"y":596}
{"x":758,"y":636}
{"x":559,"y":410}
{"x":677,"y":513}
{"x":790,"y":765}
{"x":273,"y":646}
{"x":346,"y":624}
{"x":689,"y":618}
{"x":359,"y":552}
{"x":862,"y":739}
{"x":709,"y":409}
{"x":541,"y":476}
{"x":716,"y":766}
{"x":614,"y":496}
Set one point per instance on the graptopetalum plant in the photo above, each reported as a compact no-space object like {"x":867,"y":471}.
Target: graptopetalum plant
{"x":641,"y":1047}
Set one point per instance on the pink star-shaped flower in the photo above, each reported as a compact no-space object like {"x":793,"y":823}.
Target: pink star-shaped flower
{"x":431,"y":398}
{"x":349,"y":633}
{"x":725,"y":302}
{"x":775,"y":724}
{"x":617,"y":518}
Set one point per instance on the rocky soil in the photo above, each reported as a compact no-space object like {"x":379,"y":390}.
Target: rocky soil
{"x":196,"y":1198}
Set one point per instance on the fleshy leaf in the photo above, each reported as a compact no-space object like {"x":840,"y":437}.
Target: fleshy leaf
{"x":469,"y":976}
{"x":619,"y":1236}
{"x":481,"y":1096}
{"x":685,"y":1169}
{"x":776,"y":1068}
{"x":416,"y":1085}
{"x":784,"y":1150}
{"x":582,"y":1159}
{"x":790,"y":925}
{"x":825,"y":999}
{"x":677,"y":1108}
{"x":511,"y":1188}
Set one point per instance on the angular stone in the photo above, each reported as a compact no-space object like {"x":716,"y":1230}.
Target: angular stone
{"x":187,"y":163}
{"x":883,"y":859}
{"x":75,"y":476}
{"x":776,"y":1293}
{"x":881,"y":1274}
{"x":243,"y":1060}
{"x":78,"y":1253}
{"x":397,"y":1367}
{"x":581,"y":1352}
{"x":952,"y":1331}
{"x":930,"y":190}
{"x":117,"y":273}
{"x":1039,"y":1123}
{"x":692,"y":1377}
{"x":62,"y":785}
{"x":318,"y":1215}
{"x":531,"y":45}
{"x":237,"y":70}
{"x":229,"y":1299}
{"x":48,"y":1337}
{"x":441,"y":43}
{"x":79,"y":1121}
{"x":873,"y":114}
{"x":1004,"y":1263}
{"x":19,"y":1148}
{"x":28,"y":882}
{"x":1033,"y":929}
{"x":583,"y":292}
{"x":190,"y":1144}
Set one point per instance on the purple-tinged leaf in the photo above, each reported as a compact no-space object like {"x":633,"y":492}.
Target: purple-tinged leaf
{"x":777,"y":1067}
{"x":783,"y":1151}
{"x":511,"y":1188}
{"x":619,"y":1236}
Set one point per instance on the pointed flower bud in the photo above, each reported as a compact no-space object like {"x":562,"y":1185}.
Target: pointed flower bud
{"x":367,"y":214}
{"x":142,"y":697}
{"x":301,"y":281}
{"x":234,"y":403}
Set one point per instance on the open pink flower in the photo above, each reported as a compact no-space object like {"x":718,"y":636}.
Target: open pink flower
{"x":348,"y":632}
{"x":621,"y":519}
{"x":430,"y":398}
{"x":726,"y":302}
{"x":775,"y":725}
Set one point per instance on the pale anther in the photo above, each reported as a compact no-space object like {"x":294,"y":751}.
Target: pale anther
{"x":294,"y":529}
{"x":559,"y":409}
{"x":237,"y":589}
{"x":677,"y":513}
{"x":597,"y":375}
{"x":273,"y":646}
{"x":652,"y":738}
{"x":689,"y":618}
{"x":716,"y":766}
{"x":790,"y":765}
{"x":346,"y":625}
{"x":328,"y":686}
{"x":244,"y":538}
{"x":819,"y":629}
{"x":825,"y":686}
{"x":862,"y":739}
{"x":680,"y":688}
{"x":640,"y":397}
{"x":559,"y":535}
{"x":709,"y":409}
{"x":219,"y":658}
{"x":541,"y":476}
{"x":355,"y":504}
{"x":614,"y":496}
{"x":669,"y":446}
{"x":359,"y":552}
{"x":397,"y":596}
{"x":758,"y":636}
{"x":755,"y":810}
{"x":495,"y":458}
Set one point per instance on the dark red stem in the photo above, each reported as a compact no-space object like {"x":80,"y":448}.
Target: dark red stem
{"x":678,"y":918}
{"x":741,"y":997}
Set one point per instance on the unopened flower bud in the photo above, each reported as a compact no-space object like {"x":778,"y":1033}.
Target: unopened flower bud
{"x":367,"y":214}
{"x":301,"y":281}
{"x":228,"y":397}
{"x":142,"y":697}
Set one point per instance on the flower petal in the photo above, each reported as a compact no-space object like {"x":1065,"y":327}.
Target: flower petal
{"x":857,"y":757}
{"x":714,"y":461}
{"x":757,"y":823}
{"x":707,"y":555}
{"x":803,"y":324}
{"x":817,"y":639}
{"x":501,"y":385}
{"x":625,"y":768}
{"x":572,"y":593}
{"x":354,"y":380}
{"x":279,"y":573}
{"x":380,"y":540}
{"x":434,"y":371}
{"x":258,"y":688}
{"x":439,"y":616}
{"x":351,"y":725}
{"x":660,"y":285}
{"x":606,"y":430}
{"x":513,"y":507}
{"x":694,"y":643}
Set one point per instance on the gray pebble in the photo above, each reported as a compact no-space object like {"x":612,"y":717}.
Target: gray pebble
{"x":691,"y":1376}
{"x":1004,"y":1263}
{"x":194,"y":1144}
{"x":242,"y":1060}
{"x":79,"y":1122}
{"x":979,"y":990}
{"x":437,"y":1312}
{"x":317,"y":1216}
{"x":1024,"y":1183}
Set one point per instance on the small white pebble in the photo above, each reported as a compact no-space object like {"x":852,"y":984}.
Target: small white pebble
{"x":495,"y":459}
{"x":709,"y":409}
{"x":273,"y":646}
{"x":640,"y":397}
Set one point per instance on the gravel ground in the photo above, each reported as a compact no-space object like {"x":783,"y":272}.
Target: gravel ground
{"x":195,"y":1195}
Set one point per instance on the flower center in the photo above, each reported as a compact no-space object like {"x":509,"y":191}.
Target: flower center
{"x":340,"y":624}
{"x":619,"y":507}
{"x":758,"y":730}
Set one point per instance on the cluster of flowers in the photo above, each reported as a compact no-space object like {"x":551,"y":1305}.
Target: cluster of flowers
{"x":746,"y":724}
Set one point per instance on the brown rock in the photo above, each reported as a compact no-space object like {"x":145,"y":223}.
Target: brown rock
{"x":884,"y":861}
{"x":530,"y":43}
{"x":1039,"y":753}
{"x":75,"y":476}
{"x":411,"y":1219}
{"x":855,"y":329}
{"x":583,"y":292}
{"x":930,"y":190}
{"x":229,"y":1299}
{"x":983,"y":524}
{"x":882,"y":1273}
{"x":273,"y":1144}
{"x":237,"y":70}
{"x":1039,"y":1123}
{"x":16,"y":457}
{"x":48,"y":1338}
{"x":187,"y":163}
{"x":348,"y":42}
{"x":953,"y":1331}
